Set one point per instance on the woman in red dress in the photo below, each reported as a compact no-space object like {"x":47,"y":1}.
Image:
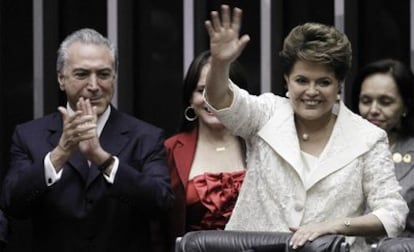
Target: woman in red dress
{"x":206,"y":162}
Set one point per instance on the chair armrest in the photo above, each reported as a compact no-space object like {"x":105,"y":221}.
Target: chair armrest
{"x":178,"y":244}
{"x":249,"y":241}
{"x":394,"y":244}
{"x":328,"y":243}
{"x":228,"y":241}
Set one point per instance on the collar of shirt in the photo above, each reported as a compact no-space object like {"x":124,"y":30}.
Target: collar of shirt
{"x":102,"y":119}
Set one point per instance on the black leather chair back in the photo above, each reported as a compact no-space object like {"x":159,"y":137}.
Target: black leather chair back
{"x":247,"y":241}
{"x":395,"y":244}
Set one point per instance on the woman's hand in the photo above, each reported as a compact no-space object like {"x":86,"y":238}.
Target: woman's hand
{"x":225,"y":44}
{"x":310,"y":232}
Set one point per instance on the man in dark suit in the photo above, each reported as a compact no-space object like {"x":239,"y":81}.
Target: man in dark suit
{"x":90,"y":177}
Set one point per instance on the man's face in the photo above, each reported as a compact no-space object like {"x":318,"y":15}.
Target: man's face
{"x":88,"y":73}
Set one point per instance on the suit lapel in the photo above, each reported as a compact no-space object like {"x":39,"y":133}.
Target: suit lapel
{"x":76,"y":161}
{"x":343,"y":147}
{"x":184,"y":154}
{"x":280,"y":133}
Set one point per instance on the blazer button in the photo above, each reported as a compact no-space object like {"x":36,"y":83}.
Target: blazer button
{"x":298,"y":207}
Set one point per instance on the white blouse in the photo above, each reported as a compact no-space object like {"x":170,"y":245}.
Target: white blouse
{"x":309,"y":163}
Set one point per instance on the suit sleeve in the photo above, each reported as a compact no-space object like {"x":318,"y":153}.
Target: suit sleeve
{"x":142,"y":178}
{"x":24,"y":182}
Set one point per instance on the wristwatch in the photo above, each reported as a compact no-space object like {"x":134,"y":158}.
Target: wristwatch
{"x":106,"y":164}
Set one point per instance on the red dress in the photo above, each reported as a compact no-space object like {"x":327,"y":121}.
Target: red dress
{"x":211,"y":199}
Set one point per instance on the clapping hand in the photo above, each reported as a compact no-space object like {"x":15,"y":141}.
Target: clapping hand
{"x":81,"y":126}
{"x":90,"y":141}
{"x":79,"y":133}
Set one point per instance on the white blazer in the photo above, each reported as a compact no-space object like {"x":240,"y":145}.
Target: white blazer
{"x":354,"y":173}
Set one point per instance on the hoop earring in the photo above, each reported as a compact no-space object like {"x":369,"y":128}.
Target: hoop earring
{"x":189,"y":118}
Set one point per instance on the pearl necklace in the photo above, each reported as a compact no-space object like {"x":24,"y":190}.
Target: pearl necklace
{"x":221,"y":148}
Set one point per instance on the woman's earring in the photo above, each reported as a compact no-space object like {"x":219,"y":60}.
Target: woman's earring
{"x":287,"y":94}
{"x":404,"y":114}
{"x":192,"y":117}
{"x":338,"y":97}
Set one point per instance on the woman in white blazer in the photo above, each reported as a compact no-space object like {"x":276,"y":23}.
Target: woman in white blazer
{"x":315,"y":168}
